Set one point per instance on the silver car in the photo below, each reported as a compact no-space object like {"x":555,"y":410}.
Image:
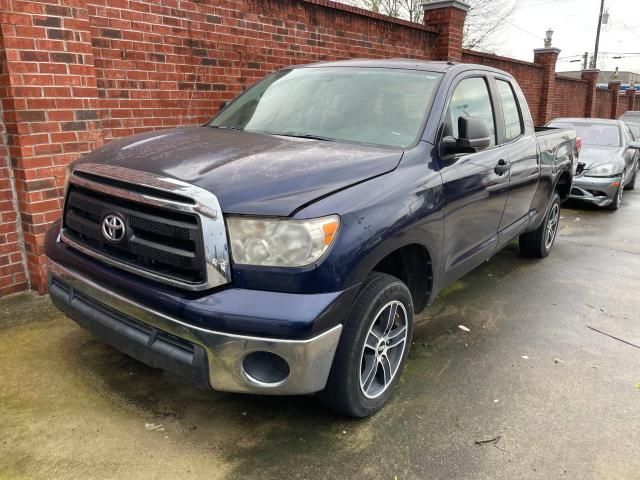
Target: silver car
{"x":608,"y":161}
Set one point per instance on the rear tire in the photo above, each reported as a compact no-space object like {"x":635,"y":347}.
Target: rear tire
{"x":373,"y":348}
{"x":539,"y":243}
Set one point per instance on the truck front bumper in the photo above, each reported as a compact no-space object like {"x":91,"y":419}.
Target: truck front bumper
{"x":597,"y":190}
{"x":207,"y":358}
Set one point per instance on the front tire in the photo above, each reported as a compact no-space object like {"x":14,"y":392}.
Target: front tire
{"x":632,"y":183}
{"x":539,"y":243}
{"x":373,"y":348}
{"x":617,"y":199}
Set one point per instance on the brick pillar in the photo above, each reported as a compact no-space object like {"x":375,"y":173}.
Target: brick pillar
{"x":49,"y":98}
{"x":448,"y":17}
{"x":614,"y":86}
{"x":547,"y":58}
{"x":631,"y":97}
{"x":591,"y":76}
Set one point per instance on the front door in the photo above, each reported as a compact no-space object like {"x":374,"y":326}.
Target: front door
{"x":475,"y":189}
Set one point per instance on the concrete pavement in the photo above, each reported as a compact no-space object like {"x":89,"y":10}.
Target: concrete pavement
{"x":562,"y":400}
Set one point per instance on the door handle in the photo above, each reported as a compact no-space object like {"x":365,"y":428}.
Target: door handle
{"x":501,"y":168}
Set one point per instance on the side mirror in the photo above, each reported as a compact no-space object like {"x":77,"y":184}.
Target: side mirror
{"x":473,"y":135}
{"x":635,"y":145}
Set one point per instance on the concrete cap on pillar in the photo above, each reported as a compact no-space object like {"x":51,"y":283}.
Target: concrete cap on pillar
{"x":437,"y":4}
{"x":546,"y":50}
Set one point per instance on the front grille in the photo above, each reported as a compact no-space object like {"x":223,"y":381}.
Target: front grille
{"x":157,"y":240}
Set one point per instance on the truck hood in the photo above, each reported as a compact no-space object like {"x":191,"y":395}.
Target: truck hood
{"x":594,"y":155}
{"x":250,"y":173}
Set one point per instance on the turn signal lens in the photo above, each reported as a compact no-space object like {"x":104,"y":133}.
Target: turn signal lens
{"x":330,"y":229}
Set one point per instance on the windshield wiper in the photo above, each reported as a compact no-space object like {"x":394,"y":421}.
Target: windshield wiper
{"x":227,"y":128}
{"x":303,"y":135}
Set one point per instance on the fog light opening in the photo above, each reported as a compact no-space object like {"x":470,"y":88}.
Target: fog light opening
{"x":266,"y":368}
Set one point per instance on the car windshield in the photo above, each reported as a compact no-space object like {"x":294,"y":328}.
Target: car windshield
{"x":365,"y":105}
{"x":598,"y":134}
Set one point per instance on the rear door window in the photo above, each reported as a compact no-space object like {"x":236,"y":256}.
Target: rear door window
{"x":513,"y":125}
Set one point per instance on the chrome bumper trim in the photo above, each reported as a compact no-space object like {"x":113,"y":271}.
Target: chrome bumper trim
{"x":309,"y":360}
{"x":204,"y":204}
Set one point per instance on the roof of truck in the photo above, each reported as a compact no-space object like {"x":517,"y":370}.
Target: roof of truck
{"x":401,"y":63}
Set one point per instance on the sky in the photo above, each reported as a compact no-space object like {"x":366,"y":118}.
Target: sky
{"x":574,"y":23}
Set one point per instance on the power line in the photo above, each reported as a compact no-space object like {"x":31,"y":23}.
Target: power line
{"x":522,"y":29}
{"x":626,"y":26}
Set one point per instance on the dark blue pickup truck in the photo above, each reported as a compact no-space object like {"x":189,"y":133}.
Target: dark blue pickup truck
{"x":285,"y":246}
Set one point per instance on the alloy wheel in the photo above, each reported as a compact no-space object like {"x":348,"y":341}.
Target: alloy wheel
{"x":383,"y":349}
{"x":552,"y":226}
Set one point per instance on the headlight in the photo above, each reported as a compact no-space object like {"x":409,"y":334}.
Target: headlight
{"x":605,"y":170}
{"x":280,"y":242}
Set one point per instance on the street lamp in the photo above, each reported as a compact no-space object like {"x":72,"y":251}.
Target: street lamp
{"x":547,"y":38}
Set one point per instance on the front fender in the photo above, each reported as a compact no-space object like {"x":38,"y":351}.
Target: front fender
{"x":379,"y":216}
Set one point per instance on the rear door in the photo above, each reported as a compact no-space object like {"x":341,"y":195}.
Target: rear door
{"x":517,"y":137}
{"x":475,"y":194}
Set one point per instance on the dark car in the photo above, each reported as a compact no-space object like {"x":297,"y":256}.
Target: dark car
{"x":608,"y":160}
{"x":284,"y":247}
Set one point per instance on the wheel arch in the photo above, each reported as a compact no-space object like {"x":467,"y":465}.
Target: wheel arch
{"x":563,"y":185}
{"x":413,"y":264}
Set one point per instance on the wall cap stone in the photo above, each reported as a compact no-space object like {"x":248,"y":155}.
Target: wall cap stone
{"x":438,"y":4}
{"x":546,"y":50}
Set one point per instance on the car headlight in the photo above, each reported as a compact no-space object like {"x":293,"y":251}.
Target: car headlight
{"x":605,"y":170}
{"x":280,"y":242}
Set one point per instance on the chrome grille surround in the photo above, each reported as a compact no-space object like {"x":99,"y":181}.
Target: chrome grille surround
{"x":165,"y":193}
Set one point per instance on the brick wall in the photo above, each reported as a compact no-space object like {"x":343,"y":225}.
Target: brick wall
{"x":569,"y":97}
{"x":49,"y":99}
{"x":629,"y":101}
{"x":603,"y":103}
{"x":76,"y":73}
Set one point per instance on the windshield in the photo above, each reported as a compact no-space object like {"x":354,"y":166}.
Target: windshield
{"x":366,"y":105}
{"x":599,"y":134}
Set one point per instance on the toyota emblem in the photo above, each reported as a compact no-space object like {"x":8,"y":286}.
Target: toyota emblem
{"x":113,"y":227}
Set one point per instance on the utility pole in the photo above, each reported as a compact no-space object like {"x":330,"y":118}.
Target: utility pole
{"x":585,"y":60}
{"x":595,"y":52}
